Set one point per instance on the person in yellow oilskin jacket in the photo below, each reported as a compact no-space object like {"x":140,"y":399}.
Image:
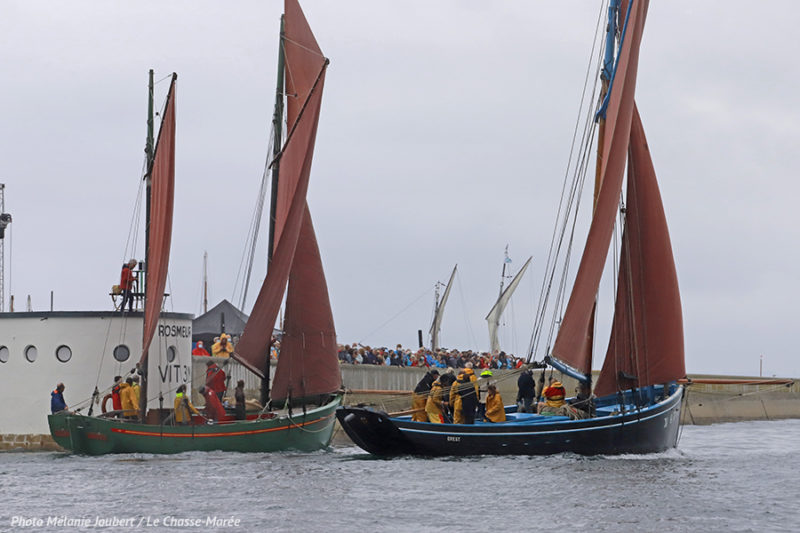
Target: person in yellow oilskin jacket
{"x":554,"y":401}
{"x":495,"y":411}
{"x":455,"y":399}
{"x":130,"y":409}
{"x":433,"y":407}
{"x":183,"y":407}
{"x":420,"y":395}
{"x":223,"y":347}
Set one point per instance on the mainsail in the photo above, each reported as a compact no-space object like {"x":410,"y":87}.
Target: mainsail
{"x":162,"y":194}
{"x":436,"y":325}
{"x":571,"y":346}
{"x":308,"y":364}
{"x":646,"y":346}
{"x":493,"y":318}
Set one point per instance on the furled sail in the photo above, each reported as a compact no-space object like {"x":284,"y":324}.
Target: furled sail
{"x":162,"y":194}
{"x":493,"y":318}
{"x":646,"y":346}
{"x":308,"y":364}
{"x":436,"y":325}
{"x":571,"y":345}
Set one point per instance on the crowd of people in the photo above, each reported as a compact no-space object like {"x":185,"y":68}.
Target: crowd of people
{"x":358,"y":354}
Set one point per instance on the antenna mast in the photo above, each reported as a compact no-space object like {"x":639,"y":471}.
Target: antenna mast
{"x":5,"y":220}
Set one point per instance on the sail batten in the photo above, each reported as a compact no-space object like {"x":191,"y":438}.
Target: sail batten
{"x":162,"y":196}
{"x":308,"y":363}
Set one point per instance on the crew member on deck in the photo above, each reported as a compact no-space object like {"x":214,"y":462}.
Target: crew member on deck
{"x":130,"y":409}
{"x":57,"y":403}
{"x":420,"y":395}
{"x":215,"y":379}
{"x":183,"y":407}
{"x":200,"y":349}
{"x":136,"y":389}
{"x":433,"y":407}
{"x":495,"y":411}
{"x":116,"y":401}
{"x":126,"y":284}
{"x":222,"y":348}
{"x":241,"y":408}
{"x":554,"y":401}
{"x":214,"y":409}
{"x":526,"y":391}
{"x":469,"y":396}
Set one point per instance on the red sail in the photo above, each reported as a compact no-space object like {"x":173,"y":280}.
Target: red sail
{"x":162,"y":194}
{"x":646,"y":345}
{"x":571,"y":344}
{"x":308,"y":364}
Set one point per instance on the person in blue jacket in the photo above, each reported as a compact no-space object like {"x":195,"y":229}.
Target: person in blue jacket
{"x":57,"y":403}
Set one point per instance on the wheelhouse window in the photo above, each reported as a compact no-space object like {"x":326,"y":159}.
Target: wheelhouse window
{"x":3,"y":354}
{"x":172,"y":352}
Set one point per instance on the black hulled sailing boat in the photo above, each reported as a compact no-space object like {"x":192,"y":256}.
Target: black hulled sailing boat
{"x":638,"y":399}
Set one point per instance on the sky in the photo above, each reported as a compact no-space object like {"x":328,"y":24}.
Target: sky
{"x":444,"y":136}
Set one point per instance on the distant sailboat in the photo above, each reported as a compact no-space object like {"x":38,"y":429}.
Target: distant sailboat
{"x":493,"y":318}
{"x":438,"y":312}
{"x":638,"y":404}
{"x":307,"y":377}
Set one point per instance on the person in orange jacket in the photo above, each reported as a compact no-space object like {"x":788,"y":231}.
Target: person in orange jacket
{"x":215,"y":379}
{"x":495,"y":411}
{"x":433,"y":407}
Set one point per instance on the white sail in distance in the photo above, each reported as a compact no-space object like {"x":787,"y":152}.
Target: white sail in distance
{"x":439,"y":312}
{"x":493,"y":318}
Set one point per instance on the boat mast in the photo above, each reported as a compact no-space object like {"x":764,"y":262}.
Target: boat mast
{"x":205,"y":282}
{"x":277,"y":128}
{"x":149,"y":155}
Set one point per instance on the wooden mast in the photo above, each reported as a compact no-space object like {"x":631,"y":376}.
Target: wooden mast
{"x":149,"y":155}
{"x":277,"y":128}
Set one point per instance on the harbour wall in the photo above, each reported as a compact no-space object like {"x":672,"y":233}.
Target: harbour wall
{"x":388,"y":389}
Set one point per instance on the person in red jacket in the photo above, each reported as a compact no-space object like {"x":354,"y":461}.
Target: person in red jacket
{"x":126,"y":284}
{"x":215,"y":378}
{"x":200,"y":349}
{"x":116,"y":399}
{"x":214,"y":409}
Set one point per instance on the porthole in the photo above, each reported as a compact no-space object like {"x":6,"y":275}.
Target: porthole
{"x":3,"y":354}
{"x":121,"y":353}
{"x":63,"y":353}
{"x":31,"y":353}
{"x":171,"y":353}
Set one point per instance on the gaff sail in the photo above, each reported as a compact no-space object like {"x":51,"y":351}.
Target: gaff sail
{"x":162,"y":195}
{"x":436,"y":325}
{"x":308,"y":364}
{"x":646,"y":345}
{"x":493,"y":318}
{"x":572,"y":348}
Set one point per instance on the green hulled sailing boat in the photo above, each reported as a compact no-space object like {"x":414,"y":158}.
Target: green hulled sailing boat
{"x":306,"y":388}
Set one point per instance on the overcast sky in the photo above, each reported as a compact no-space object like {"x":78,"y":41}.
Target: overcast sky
{"x":444,"y":135}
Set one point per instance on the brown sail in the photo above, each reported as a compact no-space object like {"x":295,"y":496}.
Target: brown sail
{"x":570,"y":346}
{"x":646,"y":346}
{"x":162,"y":195}
{"x":308,"y":365}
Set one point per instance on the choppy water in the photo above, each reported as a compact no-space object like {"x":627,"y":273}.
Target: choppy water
{"x":726,"y":477}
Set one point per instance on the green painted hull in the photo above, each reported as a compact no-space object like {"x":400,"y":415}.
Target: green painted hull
{"x":99,"y":436}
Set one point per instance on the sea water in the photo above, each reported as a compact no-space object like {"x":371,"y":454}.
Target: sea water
{"x":724,"y":477}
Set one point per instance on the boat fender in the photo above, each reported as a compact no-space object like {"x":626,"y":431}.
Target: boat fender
{"x":103,"y":403}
